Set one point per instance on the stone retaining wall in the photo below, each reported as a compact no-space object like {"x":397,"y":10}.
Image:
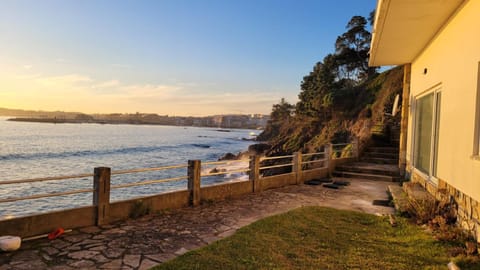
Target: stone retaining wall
{"x":468,"y":209}
{"x":115,"y":211}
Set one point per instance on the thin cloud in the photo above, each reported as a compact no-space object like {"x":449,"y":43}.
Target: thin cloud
{"x":151,"y":90}
{"x":67,"y":81}
{"x":121,"y":66}
{"x":106,"y":84}
{"x":80,"y":92}
{"x":220,"y":103}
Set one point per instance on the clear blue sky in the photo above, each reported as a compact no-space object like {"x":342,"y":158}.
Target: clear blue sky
{"x":172,"y":57}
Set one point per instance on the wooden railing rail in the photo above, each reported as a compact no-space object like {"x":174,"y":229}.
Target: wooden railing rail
{"x":300,"y":163}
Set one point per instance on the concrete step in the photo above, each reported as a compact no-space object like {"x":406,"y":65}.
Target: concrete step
{"x":380,"y":155}
{"x":376,"y":177}
{"x":368,"y":169}
{"x":399,"y":197}
{"x":417,"y":192}
{"x":379,"y":160}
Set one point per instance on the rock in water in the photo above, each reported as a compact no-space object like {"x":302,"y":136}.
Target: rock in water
{"x":201,"y":145}
{"x":259,"y":148}
{"x":228,"y":156}
{"x":10,"y":243}
{"x":215,"y":170}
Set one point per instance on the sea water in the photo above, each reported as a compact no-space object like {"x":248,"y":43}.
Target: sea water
{"x":35,"y":150}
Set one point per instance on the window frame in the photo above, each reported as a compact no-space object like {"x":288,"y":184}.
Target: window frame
{"x":476,"y":133}
{"x":432,"y":175}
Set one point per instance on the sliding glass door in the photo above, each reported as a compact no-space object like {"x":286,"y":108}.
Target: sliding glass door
{"x":427,"y":116}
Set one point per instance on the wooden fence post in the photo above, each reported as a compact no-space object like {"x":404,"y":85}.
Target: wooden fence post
{"x":255,"y":173}
{"x":355,"y":148}
{"x":297,"y":167}
{"x":328,"y":157}
{"x":194,"y":175}
{"x":101,"y":194}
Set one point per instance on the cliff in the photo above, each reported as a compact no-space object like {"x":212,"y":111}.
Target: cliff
{"x":358,"y":112}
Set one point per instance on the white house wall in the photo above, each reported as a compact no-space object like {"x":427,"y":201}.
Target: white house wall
{"x":452,"y":61}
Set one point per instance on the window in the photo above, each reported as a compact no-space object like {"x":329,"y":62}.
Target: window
{"x":423,"y":132}
{"x":426,"y":133}
{"x":436,"y":135}
{"x":476,"y":140}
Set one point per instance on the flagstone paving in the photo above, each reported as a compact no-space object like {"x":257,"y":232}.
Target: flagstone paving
{"x":150,"y":240}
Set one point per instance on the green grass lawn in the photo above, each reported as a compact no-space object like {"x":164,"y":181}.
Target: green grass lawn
{"x":321,"y":238}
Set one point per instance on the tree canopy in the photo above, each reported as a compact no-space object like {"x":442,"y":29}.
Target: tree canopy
{"x":351,"y":50}
{"x":345,"y":68}
{"x":281,"y":111}
{"x":340,"y":97}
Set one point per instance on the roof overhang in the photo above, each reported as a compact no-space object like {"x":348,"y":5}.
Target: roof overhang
{"x":403,"y":28}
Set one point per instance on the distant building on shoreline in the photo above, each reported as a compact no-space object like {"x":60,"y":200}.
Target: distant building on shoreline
{"x":248,"y":121}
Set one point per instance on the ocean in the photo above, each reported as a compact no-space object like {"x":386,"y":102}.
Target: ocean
{"x":33,"y":150}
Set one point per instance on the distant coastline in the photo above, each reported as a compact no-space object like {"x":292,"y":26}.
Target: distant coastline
{"x":59,"y":121}
{"x":118,"y":122}
{"x":233,"y":121}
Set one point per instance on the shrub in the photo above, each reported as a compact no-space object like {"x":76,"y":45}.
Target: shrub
{"x":139,"y":208}
{"x":426,"y":209}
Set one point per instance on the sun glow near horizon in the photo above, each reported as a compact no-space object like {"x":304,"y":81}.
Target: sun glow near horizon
{"x":75,"y":92}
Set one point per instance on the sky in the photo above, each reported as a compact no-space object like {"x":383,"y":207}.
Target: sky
{"x":175,"y":57}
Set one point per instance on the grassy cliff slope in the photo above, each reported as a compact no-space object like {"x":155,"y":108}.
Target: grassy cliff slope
{"x":357,"y":112}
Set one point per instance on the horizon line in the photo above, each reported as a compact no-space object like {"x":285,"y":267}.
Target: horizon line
{"x":137,"y":112}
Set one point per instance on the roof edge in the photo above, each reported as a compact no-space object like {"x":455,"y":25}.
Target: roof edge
{"x":381,"y":12}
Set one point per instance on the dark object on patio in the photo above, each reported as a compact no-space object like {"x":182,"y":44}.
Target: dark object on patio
{"x":316,"y":182}
{"x":382,"y":203}
{"x":332,"y":186}
{"x":323,"y":180}
{"x":312,"y":183}
{"x":341,"y":183}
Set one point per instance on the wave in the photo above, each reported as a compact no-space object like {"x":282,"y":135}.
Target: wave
{"x":105,"y":152}
{"x":83,"y":153}
{"x":201,"y":145}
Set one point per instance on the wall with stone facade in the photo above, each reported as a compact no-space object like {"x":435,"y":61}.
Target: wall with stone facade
{"x":468,"y":209}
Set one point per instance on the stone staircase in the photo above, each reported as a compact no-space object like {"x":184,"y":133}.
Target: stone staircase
{"x":371,"y":171}
{"x":378,"y":162}
{"x":381,"y":155}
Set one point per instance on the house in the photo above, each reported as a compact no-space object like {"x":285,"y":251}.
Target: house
{"x":438,"y":42}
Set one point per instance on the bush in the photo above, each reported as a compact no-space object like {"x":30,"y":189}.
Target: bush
{"x":426,"y":209}
{"x":440,"y":216}
{"x":139,"y":208}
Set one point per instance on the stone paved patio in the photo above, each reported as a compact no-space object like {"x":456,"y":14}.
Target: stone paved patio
{"x":151,"y":240}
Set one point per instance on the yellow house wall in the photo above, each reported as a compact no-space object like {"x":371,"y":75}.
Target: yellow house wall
{"x":452,"y":61}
